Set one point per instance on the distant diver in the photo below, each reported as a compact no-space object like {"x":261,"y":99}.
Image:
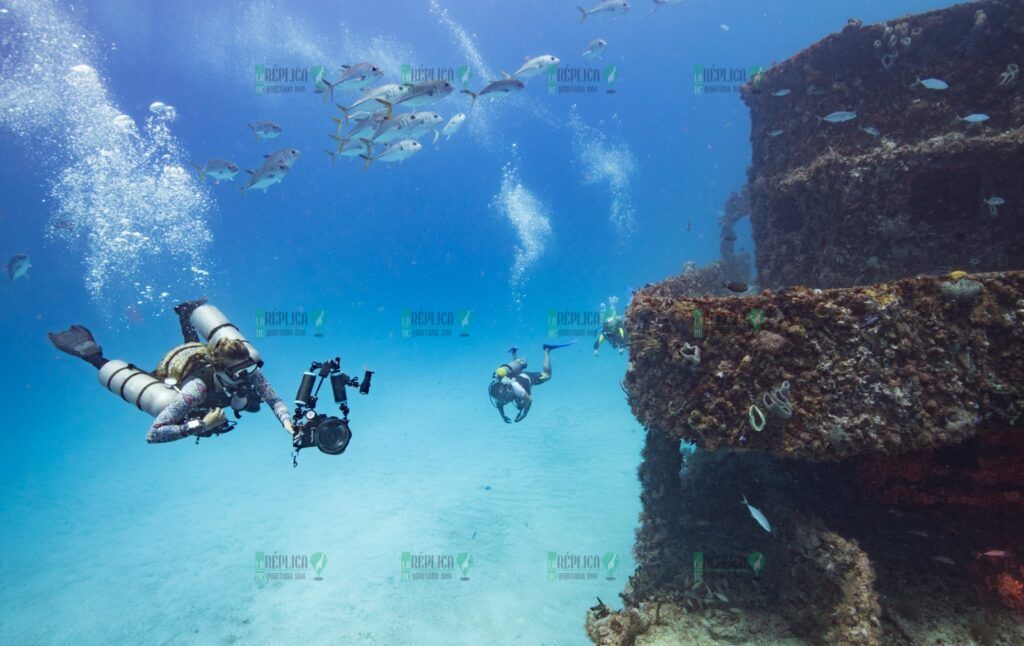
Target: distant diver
{"x":513,"y":384}
{"x":613,"y":328}
{"x":194,"y":382}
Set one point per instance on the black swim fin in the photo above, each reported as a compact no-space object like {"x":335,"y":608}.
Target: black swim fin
{"x":78,"y":342}
{"x":184,"y":310}
{"x":555,"y":346}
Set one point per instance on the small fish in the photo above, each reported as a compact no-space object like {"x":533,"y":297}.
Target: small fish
{"x":351,"y":147}
{"x":614,"y":7}
{"x":17,"y":267}
{"x":595,"y":48}
{"x":419,"y":95}
{"x":871,"y":130}
{"x":474,"y":535}
{"x":814,"y":90}
{"x":453,"y":125}
{"x":286,"y":156}
{"x":723,"y":27}
{"x":504,"y":86}
{"x":944,"y":560}
{"x":995,"y":201}
{"x":394,"y":128}
{"x":931,"y":84}
{"x":689,"y":224}
{"x":426,"y":122}
{"x":977,"y":117}
{"x":265,"y":129}
{"x":918,"y":532}
{"x":332,"y":155}
{"x":838,"y":117}
{"x":757,"y":515}
{"x":266,"y":176}
{"x":387,"y":92}
{"x":533,"y":66}
{"x":730,"y":237}
{"x":658,"y":3}
{"x":721,"y":597}
{"x":736,"y":286}
{"x":364,"y":126}
{"x":993,"y":554}
{"x":395,"y":152}
{"x":784,"y":92}
{"x":353,"y":77}
{"x":219,"y":169}
{"x":775,"y":133}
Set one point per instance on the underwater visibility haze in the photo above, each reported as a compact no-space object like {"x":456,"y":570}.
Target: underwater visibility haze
{"x":403,"y":322}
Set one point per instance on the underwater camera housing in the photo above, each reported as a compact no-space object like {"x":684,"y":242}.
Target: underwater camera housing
{"x":329,"y":434}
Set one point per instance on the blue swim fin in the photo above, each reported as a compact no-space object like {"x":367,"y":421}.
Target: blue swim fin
{"x":555,"y":346}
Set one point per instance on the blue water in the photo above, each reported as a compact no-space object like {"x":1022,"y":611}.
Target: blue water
{"x":109,"y":540}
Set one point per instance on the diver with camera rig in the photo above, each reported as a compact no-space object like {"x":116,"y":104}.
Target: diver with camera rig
{"x":194,"y":383}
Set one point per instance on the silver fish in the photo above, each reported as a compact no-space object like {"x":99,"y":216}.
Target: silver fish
{"x":774,"y":133}
{"x":353,"y":77}
{"x":595,"y":48}
{"x":221,"y":170}
{"x":17,"y":267}
{"x":286,"y":156}
{"x":395,"y":152}
{"x":533,"y":66}
{"x":364,"y":126}
{"x":419,"y":95}
{"x":394,"y":128}
{"x":266,"y":176}
{"x":504,"y":86}
{"x":838,"y":117}
{"x":757,"y":515}
{"x":352,"y":147}
{"x":995,"y":201}
{"x":387,"y":92}
{"x":425,"y":123}
{"x":783,"y":92}
{"x":658,"y":3}
{"x":614,"y":7}
{"x":977,"y":117}
{"x":265,"y":129}
{"x":453,"y":125}
{"x":871,"y":130}
{"x":931,"y":83}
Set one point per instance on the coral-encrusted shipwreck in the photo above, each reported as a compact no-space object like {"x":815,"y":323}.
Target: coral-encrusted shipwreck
{"x":889,"y":368}
{"x":878,"y":425}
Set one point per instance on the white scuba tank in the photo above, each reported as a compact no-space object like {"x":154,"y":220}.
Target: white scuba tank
{"x":136,"y":387}
{"x":211,"y":323}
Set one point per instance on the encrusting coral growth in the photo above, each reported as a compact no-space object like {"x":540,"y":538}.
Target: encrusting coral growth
{"x":880,"y":428}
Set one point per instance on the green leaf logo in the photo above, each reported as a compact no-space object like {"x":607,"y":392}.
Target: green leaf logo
{"x":319,"y":562}
{"x":611,"y":561}
{"x":465,"y":561}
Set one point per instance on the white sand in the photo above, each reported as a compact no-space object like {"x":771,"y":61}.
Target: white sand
{"x":109,"y":542}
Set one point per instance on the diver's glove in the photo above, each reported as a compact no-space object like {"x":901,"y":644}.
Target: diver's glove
{"x":213,"y":419}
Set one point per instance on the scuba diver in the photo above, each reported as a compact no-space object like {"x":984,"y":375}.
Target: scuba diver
{"x":513,"y":384}
{"x":194,"y":382}
{"x":613,"y":328}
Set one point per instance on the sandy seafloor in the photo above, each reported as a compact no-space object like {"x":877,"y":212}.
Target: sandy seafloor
{"x":109,"y":540}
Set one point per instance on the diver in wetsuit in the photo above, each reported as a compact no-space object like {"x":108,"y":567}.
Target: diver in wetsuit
{"x":612,"y":330}
{"x":511,"y":383}
{"x":194,"y":383}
